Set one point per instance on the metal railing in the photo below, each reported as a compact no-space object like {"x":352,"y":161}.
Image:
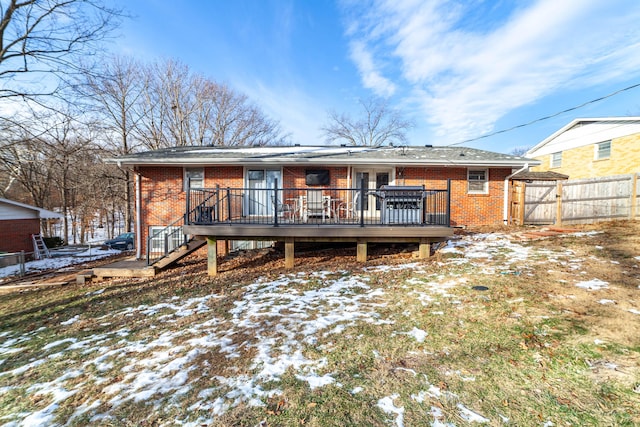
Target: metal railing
{"x":165,"y":241}
{"x":318,"y":206}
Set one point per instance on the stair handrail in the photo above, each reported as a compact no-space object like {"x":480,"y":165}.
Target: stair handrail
{"x":174,"y":226}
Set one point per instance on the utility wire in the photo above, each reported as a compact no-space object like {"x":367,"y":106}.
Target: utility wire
{"x":547,"y":117}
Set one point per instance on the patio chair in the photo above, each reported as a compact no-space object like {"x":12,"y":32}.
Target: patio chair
{"x":349,"y":210}
{"x":317,"y":205}
{"x":284,"y":210}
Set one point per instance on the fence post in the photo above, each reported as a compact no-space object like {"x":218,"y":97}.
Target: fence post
{"x":634,"y":196}
{"x":362,"y":196}
{"x":275,"y":202}
{"x":448,"y":217}
{"x":22,"y":266}
{"x":229,"y":204}
{"x":188,"y":211}
{"x":559,"y":203}
{"x":166,"y":243}
{"x":149,"y":237}
{"x":217,"y":213}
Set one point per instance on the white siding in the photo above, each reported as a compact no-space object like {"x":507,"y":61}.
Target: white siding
{"x":586,"y":133}
{"x":16,"y":212}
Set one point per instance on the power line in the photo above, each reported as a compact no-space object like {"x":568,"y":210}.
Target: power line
{"x":547,"y":117}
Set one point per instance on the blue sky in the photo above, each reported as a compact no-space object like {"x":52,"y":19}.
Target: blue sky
{"x":458,"y":69}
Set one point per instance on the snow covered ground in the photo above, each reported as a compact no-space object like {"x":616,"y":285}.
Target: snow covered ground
{"x":278,"y":321}
{"x":60,"y":260}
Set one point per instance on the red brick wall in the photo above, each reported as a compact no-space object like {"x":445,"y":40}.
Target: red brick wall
{"x":164,"y":199}
{"x":466,"y":209}
{"x":16,"y":234}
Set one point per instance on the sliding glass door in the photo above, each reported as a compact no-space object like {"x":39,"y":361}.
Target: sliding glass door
{"x":260,"y":195}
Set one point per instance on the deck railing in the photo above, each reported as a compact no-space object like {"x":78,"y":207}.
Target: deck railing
{"x":319,"y":207}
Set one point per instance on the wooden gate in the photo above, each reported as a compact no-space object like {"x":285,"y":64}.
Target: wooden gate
{"x":540,"y":203}
{"x":516,"y":211}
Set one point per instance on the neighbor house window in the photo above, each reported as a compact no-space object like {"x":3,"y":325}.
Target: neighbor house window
{"x":193,"y":178}
{"x":478,"y":180}
{"x":603,"y":150}
{"x":556,"y":160}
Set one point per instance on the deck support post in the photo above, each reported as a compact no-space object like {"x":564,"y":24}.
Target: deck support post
{"x":361,"y":250}
{"x":424,"y":251}
{"x":212,"y":256}
{"x":289,"y":250}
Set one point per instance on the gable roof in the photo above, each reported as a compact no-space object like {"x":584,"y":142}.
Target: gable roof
{"x":586,"y":131}
{"x":41,"y":213}
{"x":324,"y":155}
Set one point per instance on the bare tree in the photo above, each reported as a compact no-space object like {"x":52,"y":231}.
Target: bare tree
{"x":41,"y":38}
{"x":117,"y":92}
{"x":51,"y":156}
{"x":520,"y":151}
{"x":182,"y":108}
{"x":24,"y":166}
{"x":235,"y":121}
{"x":378,"y":125}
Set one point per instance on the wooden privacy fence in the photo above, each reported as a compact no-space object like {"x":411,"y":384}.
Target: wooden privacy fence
{"x":575,"y":201}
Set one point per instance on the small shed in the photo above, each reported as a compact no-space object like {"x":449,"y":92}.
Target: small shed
{"x":18,"y":221}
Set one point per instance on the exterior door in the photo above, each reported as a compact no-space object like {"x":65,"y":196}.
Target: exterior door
{"x":260,"y":192}
{"x":373,"y":179}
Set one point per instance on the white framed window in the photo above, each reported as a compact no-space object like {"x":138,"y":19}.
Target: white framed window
{"x":193,"y":178}
{"x":603,"y":150}
{"x":556,"y":159}
{"x":478,"y":181}
{"x":164,"y":239}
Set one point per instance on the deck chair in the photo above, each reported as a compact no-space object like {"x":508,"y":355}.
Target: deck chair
{"x":316,"y":205}
{"x":284,"y":210}
{"x":349,"y":210}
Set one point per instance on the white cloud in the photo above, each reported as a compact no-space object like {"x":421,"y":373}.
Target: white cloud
{"x":371,"y":76}
{"x":466,"y":68}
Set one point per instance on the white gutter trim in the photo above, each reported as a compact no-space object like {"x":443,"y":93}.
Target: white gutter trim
{"x":506,"y":193}
{"x":341,"y":162}
{"x":138,"y":220}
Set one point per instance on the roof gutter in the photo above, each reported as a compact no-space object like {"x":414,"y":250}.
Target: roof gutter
{"x":506,"y":193}
{"x":305,"y":161}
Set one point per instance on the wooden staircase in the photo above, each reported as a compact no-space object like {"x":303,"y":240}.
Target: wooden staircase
{"x":181,"y":252}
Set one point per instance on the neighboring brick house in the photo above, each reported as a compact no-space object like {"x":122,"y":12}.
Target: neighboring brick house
{"x":591,"y":148}
{"x":477,"y":178}
{"x":18,"y":222}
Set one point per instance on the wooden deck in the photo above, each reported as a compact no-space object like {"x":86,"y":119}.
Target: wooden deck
{"x":424,"y":236}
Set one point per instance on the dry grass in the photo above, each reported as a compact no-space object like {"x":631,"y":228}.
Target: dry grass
{"x":532,"y":348}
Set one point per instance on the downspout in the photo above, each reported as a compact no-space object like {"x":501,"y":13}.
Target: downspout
{"x":506,"y":192}
{"x":138,"y":220}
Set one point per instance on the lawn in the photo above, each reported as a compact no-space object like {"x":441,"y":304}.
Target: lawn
{"x":495,"y":329}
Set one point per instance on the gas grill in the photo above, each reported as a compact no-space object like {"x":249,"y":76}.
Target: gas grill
{"x":401,"y":204}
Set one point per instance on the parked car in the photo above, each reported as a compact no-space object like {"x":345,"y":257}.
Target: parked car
{"x":122,"y":242}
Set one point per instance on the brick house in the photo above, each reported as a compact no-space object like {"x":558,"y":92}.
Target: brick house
{"x":18,"y":222}
{"x":591,"y":148}
{"x":238,"y":187}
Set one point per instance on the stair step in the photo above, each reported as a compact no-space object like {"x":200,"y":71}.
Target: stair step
{"x":178,"y":254}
